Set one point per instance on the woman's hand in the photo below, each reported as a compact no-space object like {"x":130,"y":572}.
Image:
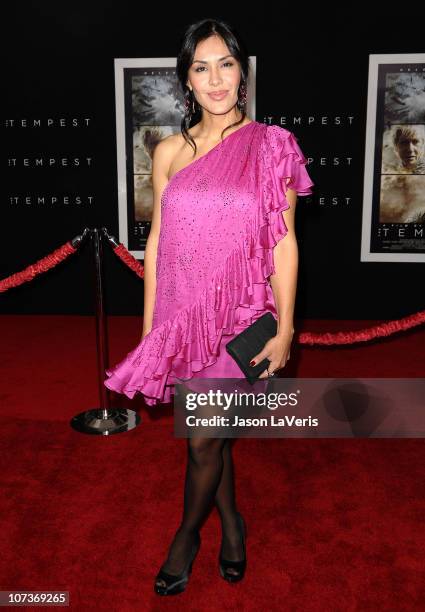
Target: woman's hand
{"x":277,"y":350}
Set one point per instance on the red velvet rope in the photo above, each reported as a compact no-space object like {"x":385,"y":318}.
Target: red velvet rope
{"x":129,"y":260}
{"x":42,"y":265}
{"x":362,"y":335}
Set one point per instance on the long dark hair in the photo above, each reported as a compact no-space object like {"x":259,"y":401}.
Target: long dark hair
{"x":194,"y":34}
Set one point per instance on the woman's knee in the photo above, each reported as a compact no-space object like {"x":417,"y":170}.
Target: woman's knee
{"x":204,"y":449}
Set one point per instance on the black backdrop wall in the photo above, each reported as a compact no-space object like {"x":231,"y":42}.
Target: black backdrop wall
{"x":312,"y":71}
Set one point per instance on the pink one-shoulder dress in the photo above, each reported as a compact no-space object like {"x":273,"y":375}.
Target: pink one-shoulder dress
{"x":221,"y":217}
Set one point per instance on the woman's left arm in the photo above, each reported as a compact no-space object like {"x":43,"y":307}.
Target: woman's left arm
{"x":284,"y":285}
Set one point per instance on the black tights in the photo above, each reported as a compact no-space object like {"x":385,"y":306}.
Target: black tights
{"x":209,"y":479}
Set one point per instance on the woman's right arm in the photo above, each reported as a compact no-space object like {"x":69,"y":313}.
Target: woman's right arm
{"x":160,"y":165}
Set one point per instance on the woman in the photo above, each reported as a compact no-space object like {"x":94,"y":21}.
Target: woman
{"x":214,"y":263}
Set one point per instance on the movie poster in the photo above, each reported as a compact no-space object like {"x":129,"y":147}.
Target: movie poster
{"x":394,"y":178}
{"x":149,"y":107}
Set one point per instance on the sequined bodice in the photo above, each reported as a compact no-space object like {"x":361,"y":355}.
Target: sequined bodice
{"x":204,"y":210}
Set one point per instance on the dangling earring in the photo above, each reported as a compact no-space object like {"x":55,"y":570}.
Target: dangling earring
{"x":187,"y":102}
{"x":242,"y":99}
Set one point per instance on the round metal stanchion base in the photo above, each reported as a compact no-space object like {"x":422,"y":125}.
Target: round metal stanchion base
{"x":105,"y":422}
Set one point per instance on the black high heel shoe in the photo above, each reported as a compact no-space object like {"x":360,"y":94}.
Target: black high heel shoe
{"x":176,"y":583}
{"x":238,"y":566}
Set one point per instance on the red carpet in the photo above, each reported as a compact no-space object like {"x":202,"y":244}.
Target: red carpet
{"x":333,"y":524}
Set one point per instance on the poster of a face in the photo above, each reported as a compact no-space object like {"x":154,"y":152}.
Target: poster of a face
{"x":149,"y":107}
{"x":394,"y":180}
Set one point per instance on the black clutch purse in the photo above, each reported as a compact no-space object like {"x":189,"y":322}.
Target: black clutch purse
{"x":251,"y":341}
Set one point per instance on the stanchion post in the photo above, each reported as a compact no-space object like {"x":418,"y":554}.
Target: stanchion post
{"x":101,"y":327}
{"x":104,"y":420}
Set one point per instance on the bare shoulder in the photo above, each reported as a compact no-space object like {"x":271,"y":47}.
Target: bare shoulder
{"x":166,"y":151}
{"x":170,"y":142}
{"x":162,"y":153}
